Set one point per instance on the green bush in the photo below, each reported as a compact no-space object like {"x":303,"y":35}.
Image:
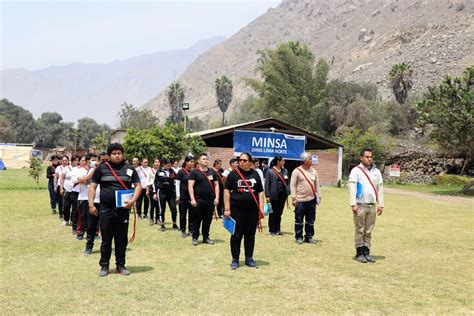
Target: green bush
{"x":450,"y":179}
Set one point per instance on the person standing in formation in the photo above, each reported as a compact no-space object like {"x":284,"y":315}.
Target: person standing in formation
{"x":57,"y":183}
{"x":143,"y":172}
{"x":244,"y":200}
{"x":203,"y":189}
{"x":366,"y":200}
{"x":149,"y":192}
{"x":68,"y":190}
{"x":50,"y":172}
{"x":164,"y":192}
{"x":182,"y":196}
{"x":276,"y":191}
{"x":112,"y":176}
{"x":83,"y":178}
{"x":305,"y":195}
{"x":217,"y":166}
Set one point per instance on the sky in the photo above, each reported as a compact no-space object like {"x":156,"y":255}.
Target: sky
{"x":38,"y":34}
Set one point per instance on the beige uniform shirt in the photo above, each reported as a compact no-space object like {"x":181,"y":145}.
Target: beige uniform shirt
{"x":300,"y":189}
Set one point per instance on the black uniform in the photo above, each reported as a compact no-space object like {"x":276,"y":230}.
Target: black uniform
{"x":52,"y":195}
{"x":205,"y":196}
{"x":184,"y":200}
{"x":220,"y":206}
{"x":277,"y":189}
{"x":164,"y":188}
{"x":243,"y":210}
{"x":113,"y":220}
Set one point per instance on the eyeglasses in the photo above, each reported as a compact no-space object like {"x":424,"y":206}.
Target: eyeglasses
{"x":243,"y":160}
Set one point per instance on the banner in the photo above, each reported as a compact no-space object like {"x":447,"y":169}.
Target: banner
{"x":269,"y":145}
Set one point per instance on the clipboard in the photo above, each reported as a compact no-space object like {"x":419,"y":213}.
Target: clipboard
{"x":122,"y":197}
{"x":229,"y":224}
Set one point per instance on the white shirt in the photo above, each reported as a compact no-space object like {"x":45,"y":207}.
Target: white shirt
{"x":68,"y":183}
{"x":151,"y":176}
{"x":260,"y":173}
{"x":176,"y":170}
{"x":97,"y":195}
{"x":83,"y":188}
{"x":143,"y":174}
{"x":59,"y":171}
{"x":368,"y":193}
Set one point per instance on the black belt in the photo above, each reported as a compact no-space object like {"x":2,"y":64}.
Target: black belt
{"x":367,"y":204}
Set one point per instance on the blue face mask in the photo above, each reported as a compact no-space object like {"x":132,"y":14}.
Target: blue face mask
{"x":92,"y":163}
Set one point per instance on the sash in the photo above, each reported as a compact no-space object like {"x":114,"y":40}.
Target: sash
{"x":371,"y":183}
{"x":212,"y":188}
{"x":260,"y":213}
{"x":307,"y":180}
{"x":280,"y":177}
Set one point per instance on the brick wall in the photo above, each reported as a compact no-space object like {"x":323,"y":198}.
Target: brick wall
{"x":326,"y":168}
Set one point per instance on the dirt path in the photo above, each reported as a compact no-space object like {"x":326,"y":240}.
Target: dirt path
{"x":429,"y":196}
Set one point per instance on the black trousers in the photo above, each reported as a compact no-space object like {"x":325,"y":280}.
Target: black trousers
{"x":274,"y":219}
{"x":153,"y":207}
{"x":220,"y":206}
{"x":246,"y":220}
{"x":70,"y":200}
{"x":52,"y":195}
{"x":83,"y":217}
{"x":170,"y":198}
{"x":202,"y":213}
{"x":92,"y":227}
{"x":305,"y":212}
{"x":113,"y":226}
{"x":59,"y":200}
{"x":185,"y":211}
{"x":145,"y":201}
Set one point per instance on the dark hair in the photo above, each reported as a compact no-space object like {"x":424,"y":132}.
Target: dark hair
{"x":90,"y":155}
{"x":276,"y":160}
{"x":248,"y":155}
{"x":233,"y":160}
{"x":362,"y":152}
{"x":102,"y":154}
{"x":75,"y":157}
{"x":202,"y":154}
{"x":54,"y":157}
{"x":114,"y":146}
{"x":166,"y":161}
{"x":216,"y":162}
{"x":186,"y":160}
{"x":256,"y":160}
{"x":65,"y":156}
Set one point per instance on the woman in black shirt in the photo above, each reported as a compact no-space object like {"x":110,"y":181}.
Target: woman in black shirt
{"x":240,"y":201}
{"x":50,"y":175}
{"x":182,"y":195}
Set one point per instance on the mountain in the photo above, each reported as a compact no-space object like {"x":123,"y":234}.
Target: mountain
{"x":98,"y":90}
{"x":361,"y":39}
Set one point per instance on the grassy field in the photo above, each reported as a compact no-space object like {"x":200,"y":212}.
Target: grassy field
{"x":450,"y":190}
{"x":424,"y":251}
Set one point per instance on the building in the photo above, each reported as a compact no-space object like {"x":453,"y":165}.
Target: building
{"x":16,"y":156}
{"x":118,"y":136}
{"x":220,"y":143}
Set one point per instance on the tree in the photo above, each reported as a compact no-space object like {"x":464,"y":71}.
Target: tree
{"x":131,"y":117}
{"x":449,"y":109}
{"x":21,"y":122}
{"x":35,"y":169}
{"x":400,"y":79}
{"x":101,"y":141}
{"x":51,"y":130}
{"x":175,"y":99}
{"x":290,"y":88}
{"x":224,"y":94}
{"x":354,"y":140}
{"x":247,"y":111}
{"x":6,"y":131}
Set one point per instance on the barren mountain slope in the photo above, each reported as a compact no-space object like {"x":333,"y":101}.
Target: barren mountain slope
{"x":361,"y":39}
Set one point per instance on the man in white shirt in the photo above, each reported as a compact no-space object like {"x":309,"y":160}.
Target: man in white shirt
{"x":83,"y":197}
{"x":143,"y":173}
{"x":57,"y":184}
{"x":67,"y":190}
{"x":366,"y":199}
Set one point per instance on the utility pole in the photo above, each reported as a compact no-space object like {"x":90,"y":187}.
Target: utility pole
{"x":185,"y":107}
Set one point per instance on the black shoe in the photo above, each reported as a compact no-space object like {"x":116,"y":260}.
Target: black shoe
{"x":80,"y":237}
{"x":299,"y":241}
{"x":310,"y":240}
{"x":184,"y":235}
{"x":360,"y":255}
{"x":162,"y":228}
{"x":273,"y":234}
{"x":234,"y":264}
{"x":122,"y":270}
{"x":367,"y":255}
{"x":145,"y":216}
{"x":250,"y":263}
{"x":175,"y":227}
{"x":279,"y":233}
{"x":104,"y":271}
{"x":194,"y":242}
{"x":87,"y":252}
{"x":208,"y":241}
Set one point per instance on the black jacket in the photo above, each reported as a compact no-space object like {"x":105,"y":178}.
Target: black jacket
{"x":164,"y":182}
{"x":271,"y":180}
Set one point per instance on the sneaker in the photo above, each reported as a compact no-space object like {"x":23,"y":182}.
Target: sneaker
{"x":152,"y":222}
{"x":310,"y":240}
{"x":63,"y":222}
{"x":162,"y":228}
{"x":194,"y":242}
{"x":367,"y":255}
{"x":145,"y":216}
{"x":234,"y":264}
{"x":104,"y":271}
{"x":122,"y":270}
{"x":87,"y":252}
{"x":272,"y":234}
{"x":80,"y":237}
{"x":360,"y":257}
{"x":175,"y":227}
{"x":97,"y":237}
{"x":184,"y":235}
{"x":54,"y":212}
{"x":299,"y":241}
{"x":250,"y":263}
{"x":279,"y":233}
{"x":208,"y":241}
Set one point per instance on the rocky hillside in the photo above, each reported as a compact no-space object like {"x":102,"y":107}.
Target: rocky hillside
{"x":97,"y":90}
{"x":361,"y":39}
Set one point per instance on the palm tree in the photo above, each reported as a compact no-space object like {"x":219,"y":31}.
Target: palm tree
{"x":175,"y":99}
{"x":224,"y":94}
{"x":400,"y":80}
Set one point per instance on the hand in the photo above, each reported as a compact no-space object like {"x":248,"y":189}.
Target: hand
{"x":216,"y":202}
{"x":379,"y":210}
{"x":93,"y":211}
{"x":193,"y":203}
{"x":147,"y":193}
{"x":227,"y":213}
{"x":129,"y":204}
{"x":155,"y":197}
{"x":55,"y":189}
{"x":355,"y":209}
{"x":61,"y":191}
{"x":294,"y":202}
{"x":177,"y":199}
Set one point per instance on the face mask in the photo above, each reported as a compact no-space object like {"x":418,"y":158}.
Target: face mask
{"x":92,"y":163}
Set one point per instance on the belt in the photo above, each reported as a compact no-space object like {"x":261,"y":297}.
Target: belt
{"x":366,"y":204}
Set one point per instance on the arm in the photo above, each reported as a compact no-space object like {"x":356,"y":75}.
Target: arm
{"x":381,"y":199}
{"x":216,"y":190}
{"x":177,"y":184}
{"x":61,"y":190}
{"x":55,"y":181}
{"x":92,"y":209}
{"x":268,"y":186}
{"x":293,"y":184}
{"x":226,"y":203}
{"x":191,"y":192}
{"x":352,"y":196}
{"x":261,"y":198}
{"x":136,"y":194}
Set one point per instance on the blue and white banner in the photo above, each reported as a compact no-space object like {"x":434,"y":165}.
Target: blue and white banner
{"x":269,"y":145}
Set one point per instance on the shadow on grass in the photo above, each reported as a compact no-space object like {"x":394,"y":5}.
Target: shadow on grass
{"x":378,"y":257}
{"x":139,"y":269}
{"x":262,"y":263}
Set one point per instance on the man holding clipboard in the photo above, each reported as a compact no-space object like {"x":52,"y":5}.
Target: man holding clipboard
{"x":114,"y":177}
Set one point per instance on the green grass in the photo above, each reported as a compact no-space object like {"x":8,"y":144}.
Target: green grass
{"x":451,"y":190}
{"x":424,"y":251}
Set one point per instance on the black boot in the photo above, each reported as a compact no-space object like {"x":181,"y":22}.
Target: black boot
{"x":360,"y":255}
{"x":367,"y":255}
